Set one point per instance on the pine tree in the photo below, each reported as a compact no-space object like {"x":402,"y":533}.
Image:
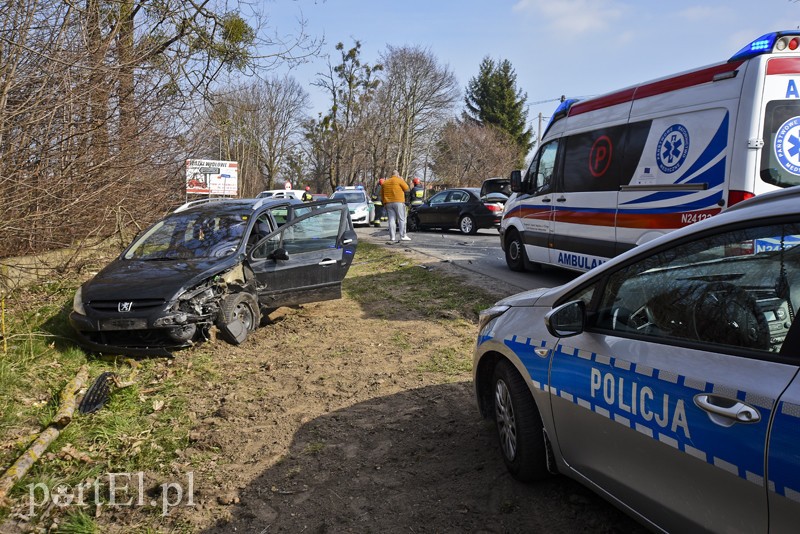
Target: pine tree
{"x":492,"y":98}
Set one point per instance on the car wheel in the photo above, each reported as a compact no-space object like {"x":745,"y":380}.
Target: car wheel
{"x":413,"y":224}
{"x":519,"y":425}
{"x":238,"y":316}
{"x":515,"y":252}
{"x":467,"y":225}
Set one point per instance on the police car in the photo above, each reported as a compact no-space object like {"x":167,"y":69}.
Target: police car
{"x":362,"y":210}
{"x":665,"y":379}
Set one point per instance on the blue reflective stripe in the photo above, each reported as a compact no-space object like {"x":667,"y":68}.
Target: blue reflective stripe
{"x":656,"y":403}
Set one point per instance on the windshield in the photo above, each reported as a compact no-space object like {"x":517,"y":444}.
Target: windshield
{"x":351,"y":197}
{"x":190,"y":235}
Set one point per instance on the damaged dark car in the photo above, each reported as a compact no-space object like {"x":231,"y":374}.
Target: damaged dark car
{"x":216,"y":262}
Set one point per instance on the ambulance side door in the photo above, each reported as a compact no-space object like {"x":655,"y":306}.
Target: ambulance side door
{"x":585,"y":203}
{"x":535,"y":209}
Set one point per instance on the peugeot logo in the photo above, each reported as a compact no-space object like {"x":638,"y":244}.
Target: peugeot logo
{"x":123,"y":307}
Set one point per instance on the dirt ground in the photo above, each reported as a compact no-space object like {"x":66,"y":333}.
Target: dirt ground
{"x":318,"y":425}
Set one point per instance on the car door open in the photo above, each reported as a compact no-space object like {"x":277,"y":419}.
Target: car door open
{"x":306,"y":259}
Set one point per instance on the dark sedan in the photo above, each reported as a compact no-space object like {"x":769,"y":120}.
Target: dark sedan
{"x":456,"y":208}
{"x":214,"y":263}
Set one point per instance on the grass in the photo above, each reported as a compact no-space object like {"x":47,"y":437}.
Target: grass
{"x":144,"y":426}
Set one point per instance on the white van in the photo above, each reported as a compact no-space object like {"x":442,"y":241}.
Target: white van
{"x":618,"y":170}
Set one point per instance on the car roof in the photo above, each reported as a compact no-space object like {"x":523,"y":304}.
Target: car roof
{"x":231,"y":204}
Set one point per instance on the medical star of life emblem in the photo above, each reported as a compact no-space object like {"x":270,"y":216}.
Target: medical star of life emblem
{"x":123,"y":307}
{"x":787,"y":145}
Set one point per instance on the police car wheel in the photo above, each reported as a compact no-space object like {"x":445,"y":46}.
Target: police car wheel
{"x":515,"y":252}
{"x":238,"y":316}
{"x":519,"y":425}
{"x":467,"y":225}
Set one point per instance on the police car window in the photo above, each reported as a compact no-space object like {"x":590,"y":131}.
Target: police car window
{"x":780,"y":164}
{"x":739,"y":289}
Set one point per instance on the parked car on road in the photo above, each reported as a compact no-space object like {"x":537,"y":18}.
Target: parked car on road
{"x":456,"y":208}
{"x":667,"y":379}
{"x":362,"y":209}
{"x":214,"y":262}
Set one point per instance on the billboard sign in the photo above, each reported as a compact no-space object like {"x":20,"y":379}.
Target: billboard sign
{"x":212,"y":177}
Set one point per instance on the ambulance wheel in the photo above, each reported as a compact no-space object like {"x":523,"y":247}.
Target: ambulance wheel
{"x":515,"y":252}
{"x":519,"y":425}
{"x":467,"y":225}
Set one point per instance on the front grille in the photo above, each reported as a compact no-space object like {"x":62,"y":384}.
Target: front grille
{"x":114,"y":306}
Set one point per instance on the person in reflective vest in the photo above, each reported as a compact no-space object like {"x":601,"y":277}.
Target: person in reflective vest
{"x":307,"y":195}
{"x":417,"y":194}
{"x":380,"y":212}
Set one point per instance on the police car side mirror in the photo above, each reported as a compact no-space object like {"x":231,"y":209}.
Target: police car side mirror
{"x":566,"y":320}
{"x":279,"y":254}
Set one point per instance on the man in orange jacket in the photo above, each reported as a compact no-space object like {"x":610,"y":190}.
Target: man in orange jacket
{"x":393,"y":196}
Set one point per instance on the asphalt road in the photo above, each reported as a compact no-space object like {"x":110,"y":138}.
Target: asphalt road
{"x":480,"y":253}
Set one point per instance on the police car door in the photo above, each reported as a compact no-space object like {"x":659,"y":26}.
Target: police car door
{"x":665,"y":400}
{"x":586,"y":202}
{"x":306,"y":258}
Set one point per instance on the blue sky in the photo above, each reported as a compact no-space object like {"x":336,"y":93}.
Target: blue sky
{"x":576,"y":48}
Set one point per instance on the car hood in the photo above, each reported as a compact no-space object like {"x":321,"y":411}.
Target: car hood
{"x":531,"y":297}
{"x":136,"y":279}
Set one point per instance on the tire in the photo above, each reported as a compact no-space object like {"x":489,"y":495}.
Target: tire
{"x":413,"y":224}
{"x":467,"y":225}
{"x":519,"y":425}
{"x":515,"y":252}
{"x":238,"y":316}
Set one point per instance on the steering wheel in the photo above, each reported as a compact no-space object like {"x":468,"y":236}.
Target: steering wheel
{"x":727,"y":314}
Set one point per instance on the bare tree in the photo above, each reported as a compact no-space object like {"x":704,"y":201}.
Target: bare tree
{"x":260,"y":126}
{"x":97,"y":104}
{"x":467,"y":153}
{"x":418,"y":95}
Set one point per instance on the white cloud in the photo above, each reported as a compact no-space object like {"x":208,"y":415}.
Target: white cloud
{"x":573,"y":16}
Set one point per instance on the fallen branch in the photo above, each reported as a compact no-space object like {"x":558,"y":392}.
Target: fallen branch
{"x":35,"y":450}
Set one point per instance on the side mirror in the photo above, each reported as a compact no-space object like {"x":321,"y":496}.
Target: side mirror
{"x":516,"y":181}
{"x":279,"y":254}
{"x":567,"y":320}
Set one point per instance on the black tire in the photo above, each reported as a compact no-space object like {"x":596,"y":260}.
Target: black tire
{"x":515,"y":252}
{"x":238,"y":316}
{"x":413,"y":225}
{"x":519,"y":425}
{"x":467,"y":225}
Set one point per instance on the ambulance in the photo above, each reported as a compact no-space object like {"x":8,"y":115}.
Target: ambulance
{"x":620,"y":169}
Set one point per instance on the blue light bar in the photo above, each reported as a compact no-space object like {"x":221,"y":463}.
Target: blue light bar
{"x":762,"y":45}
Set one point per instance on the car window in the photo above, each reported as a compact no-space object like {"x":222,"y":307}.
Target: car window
{"x":458,"y":196}
{"x":317,"y":232}
{"x":353,"y":197}
{"x":438,"y":198}
{"x":190,"y":235}
{"x":540,"y":173}
{"x":738,"y":289}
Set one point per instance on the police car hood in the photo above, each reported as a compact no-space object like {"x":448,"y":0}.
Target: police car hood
{"x":531,"y":297}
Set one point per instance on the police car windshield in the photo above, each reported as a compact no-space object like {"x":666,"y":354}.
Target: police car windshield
{"x":353,"y":197}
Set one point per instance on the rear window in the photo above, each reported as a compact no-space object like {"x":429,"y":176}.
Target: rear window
{"x":780,"y":156}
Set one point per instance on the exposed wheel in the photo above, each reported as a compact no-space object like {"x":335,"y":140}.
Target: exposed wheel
{"x":515,"y":252}
{"x":519,"y":425}
{"x":467,"y":225}
{"x":413,"y":225}
{"x":238,"y":316}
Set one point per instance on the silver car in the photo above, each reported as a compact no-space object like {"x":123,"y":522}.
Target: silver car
{"x":665,"y":379}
